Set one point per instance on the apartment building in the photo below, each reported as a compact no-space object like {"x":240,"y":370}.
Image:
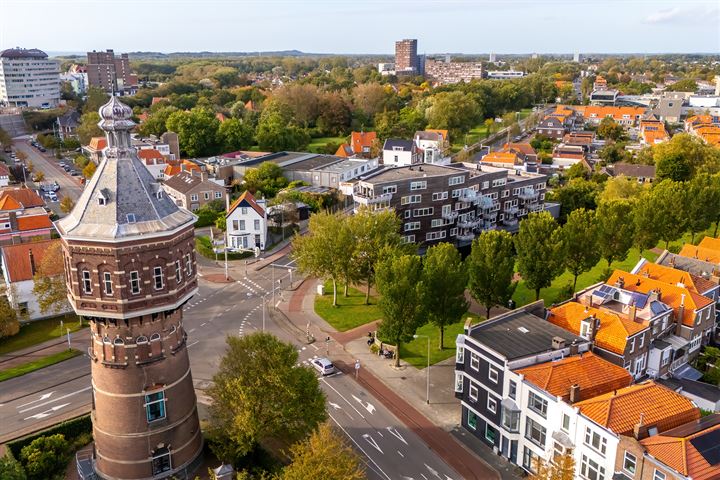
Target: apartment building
{"x":111,"y":73}
{"x":451,"y":203}
{"x":447,"y":72}
{"x":28,"y":79}
{"x":406,"y":57}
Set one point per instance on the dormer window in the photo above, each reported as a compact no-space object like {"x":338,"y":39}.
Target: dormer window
{"x":159,"y":194}
{"x":101,"y":200}
{"x":131,"y":218}
{"x":585,"y":329}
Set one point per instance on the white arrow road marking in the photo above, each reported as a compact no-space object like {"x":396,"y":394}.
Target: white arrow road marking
{"x":372,"y":442}
{"x":396,"y":434}
{"x":334,"y":405}
{"x":42,"y":397}
{"x":423,"y":475}
{"x":55,"y":400}
{"x":448,"y":478}
{"x":432,"y":470}
{"x":400,"y":453}
{"x":408,"y":478}
{"x":377,"y":467}
{"x":368,"y":406}
{"x":343,"y":397}
{"x":46,"y":413}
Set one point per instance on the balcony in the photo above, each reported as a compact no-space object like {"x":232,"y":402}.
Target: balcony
{"x":469,"y":195}
{"x":528,"y":194}
{"x":371,"y":200}
{"x":491,"y":216}
{"x":466,"y":236}
{"x":512,"y":211}
{"x":486,"y":202}
{"x":678,"y":362}
{"x":469,"y":223}
{"x":510,"y":222}
{"x":452,"y":215}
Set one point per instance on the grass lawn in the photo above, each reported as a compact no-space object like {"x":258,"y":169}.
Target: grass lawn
{"x":38,"y":364}
{"x":524,"y":296}
{"x":39,"y":331}
{"x":686,"y":238}
{"x":351,"y":311}
{"x":317,"y":145}
{"x":415,"y":352}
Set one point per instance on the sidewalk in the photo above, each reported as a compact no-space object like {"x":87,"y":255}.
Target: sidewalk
{"x":433,"y":421}
{"x":79,"y":339}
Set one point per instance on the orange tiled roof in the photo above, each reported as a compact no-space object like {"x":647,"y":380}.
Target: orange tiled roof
{"x":17,"y":258}
{"x":220,"y":117}
{"x":671,"y":295}
{"x":25,"y":197}
{"x":705,"y":254}
{"x":614,"y":328}
{"x":150,"y":154}
{"x":591,"y":373}
{"x":175,"y":168}
{"x":250,"y":200}
{"x":98,"y":143}
{"x":34,"y":222}
{"x":617,"y":113}
{"x":674,"y":276}
{"x":710,"y":243}
{"x":621,"y":410}
{"x":500,"y":157}
{"x":444,"y":133}
{"x":678,"y":453}
{"x":360,"y":140}
{"x":344,"y":150}
{"x":7,"y":202}
{"x":158,"y":100}
{"x":524,"y":148}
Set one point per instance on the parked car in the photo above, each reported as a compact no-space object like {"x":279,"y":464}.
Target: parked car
{"x":75,"y":173}
{"x":50,"y":187}
{"x":324,"y":366}
{"x":51,"y":196}
{"x":42,"y":149}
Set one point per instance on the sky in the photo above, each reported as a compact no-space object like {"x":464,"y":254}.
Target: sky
{"x":363,"y":26}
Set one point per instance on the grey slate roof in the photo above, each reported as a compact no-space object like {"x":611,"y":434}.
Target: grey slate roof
{"x":392,"y":143}
{"x":694,"y":266}
{"x":132,"y":207}
{"x":519,"y":334}
{"x":633,"y":170}
{"x":699,"y":389}
{"x":70,"y":119}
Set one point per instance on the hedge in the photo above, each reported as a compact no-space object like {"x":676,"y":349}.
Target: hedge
{"x":204,"y":248}
{"x":70,"y":428}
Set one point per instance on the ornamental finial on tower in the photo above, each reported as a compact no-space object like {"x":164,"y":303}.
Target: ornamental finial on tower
{"x":115,"y":115}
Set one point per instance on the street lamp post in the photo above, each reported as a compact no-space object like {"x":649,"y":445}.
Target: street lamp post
{"x":427,"y":372}
{"x":263,"y":312}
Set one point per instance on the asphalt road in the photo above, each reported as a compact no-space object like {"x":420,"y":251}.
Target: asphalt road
{"x":388,"y":448}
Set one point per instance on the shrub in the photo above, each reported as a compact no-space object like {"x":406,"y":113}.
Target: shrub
{"x":11,"y":469}
{"x":565,"y":292}
{"x":205,"y":248}
{"x":70,"y":429}
{"x":374,"y":348}
{"x":45,"y":457}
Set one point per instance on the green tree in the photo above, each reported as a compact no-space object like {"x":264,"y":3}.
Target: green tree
{"x":491,"y":267}
{"x":369,"y":98}
{"x":614,"y":153}
{"x":260,"y":394}
{"x":455,"y":111}
{"x":323,"y":456}
{"x":684,"y":85}
{"x":11,"y":469}
{"x":375,"y":234}
{"x":621,"y":188}
{"x":9,"y":324}
{"x":235,"y":135}
{"x":156,"y":123}
{"x":580,"y":242}
{"x":577,"y":193}
{"x":197,"y":131}
{"x":539,"y":251}
{"x":444,"y":278}
{"x":616,"y":229}
{"x":67,"y":204}
{"x":683,"y":156}
{"x":5,"y":138}
{"x":89,"y":170}
{"x":399,"y":282}
{"x":276,"y":132}
{"x":266,"y":179}
{"x":609,"y":129}
{"x":96,"y":98}
{"x":703,"y":200}
{"x":45,"y":457}
{"x":88,"y":127}
{"x":49,"y":281}
{"x":660,"y":214}
{"x":674,"y":167}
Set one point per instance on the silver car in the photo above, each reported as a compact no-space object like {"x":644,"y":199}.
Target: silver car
{"x":323,"y":365}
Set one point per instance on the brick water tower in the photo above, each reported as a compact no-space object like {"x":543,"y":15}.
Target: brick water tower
{"x":130,"y":268}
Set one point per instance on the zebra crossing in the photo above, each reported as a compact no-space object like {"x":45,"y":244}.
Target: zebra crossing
{"x":253,"y":287}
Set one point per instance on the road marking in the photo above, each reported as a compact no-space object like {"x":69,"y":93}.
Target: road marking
{"x":361,"y":449}
{"x":42,"y":397}
{"x":46,"y":413}
{"x":380,"y":433}
{"x":432,"y":470}
{"x":423,"y":475}
{"x":193,"y":343}
{"x":335,"y":405}
{"x":55,"y":400}
{"x":372,"y":442}
{"x":341,"y":396}
{"x":315,"y":347}
{"x":399,"y":453}
{"x":191,"y":330}
{"x":369,"y":406}
{"x":396,"y":434}
{"x":203,"y":324}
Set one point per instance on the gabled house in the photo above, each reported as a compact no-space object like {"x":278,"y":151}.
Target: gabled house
{"x":19,"y":264}
{"x":23,"y":217}
{"x":68,"y":124}
{"x":94,"y":150}
{"x":361,"y":142}
{"x":552,"y":127}
{"x":641,"y":173}
{"x":247,"y":220}
{"x":174,"y":167}
{"x":708,"y":255}
{"x":154,"y":161}
{"x":652,"y":131}
{"x":192,"y":191}
{"x":400,"y":153}
{"x":564,"y":156}
{"x":431,"y":145}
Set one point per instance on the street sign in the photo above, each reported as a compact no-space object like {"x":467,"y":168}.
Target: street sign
{"x":357,"y":368}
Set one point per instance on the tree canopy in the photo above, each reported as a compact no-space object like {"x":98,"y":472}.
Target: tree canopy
{"x":491,"y":266}
{"x":539,"y":251}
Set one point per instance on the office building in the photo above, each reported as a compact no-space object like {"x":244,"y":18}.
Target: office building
{"x":28,"y":79}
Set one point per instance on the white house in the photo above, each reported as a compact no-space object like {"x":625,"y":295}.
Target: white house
{"x":247,"y":223}
{"x":19,"y":264}
{"x":399,"y":153}
{"x":4,"y":175}
{"x":431,"y":146}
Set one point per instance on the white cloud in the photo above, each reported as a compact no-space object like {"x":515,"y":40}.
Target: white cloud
{"x":666,"y":16}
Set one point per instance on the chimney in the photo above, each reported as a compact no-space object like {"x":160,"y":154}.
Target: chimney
{"x":182,"y":166}
{"x":672,"y":260}
{"x":227,"y":202}
{"x":680,"y":315}
{"x":12,"y":217}
{"x":574,"y":393}
{"x":633,"y":312}
{"x":33,"y":270}
{"x":203,"y":176}
{"x":620,"y":282}
{"x":558,"y":343}
{"x":640,"y":431}
{"x":594,"y":327}
{"x":574,"y":347}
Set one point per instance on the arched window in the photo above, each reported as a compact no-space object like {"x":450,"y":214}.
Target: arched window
{"x":141,"y":339}
{"x":118,"y":341}
{"x":106,"y":339}
{"x":154,"y":337}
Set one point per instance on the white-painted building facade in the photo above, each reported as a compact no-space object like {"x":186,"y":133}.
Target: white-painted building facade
{"x":247,"y":223}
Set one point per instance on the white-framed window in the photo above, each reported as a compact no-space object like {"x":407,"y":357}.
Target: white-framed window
{"x":410,"y":199}
{"x":439,"y":196}
{"x":188,"y":264}
{"x":457,"y":192}
{"x":695,"y":343}
{"x":437,"y":222}
{"x":460,"y":355}
{"x":155,"y":406}
{"x":407,"y":214}
{"x":456,"y":180}
{"x":178,"y":271}
{"x":243,"y":210}
{"x":658,"y":475}
{"x":596,"y":441}
{"x":632,"y":345}
{"x":471,"y":419}
{"x":491,"y":404}
{"x":453,"y":231}
{"x":473,"y":392}
{"x":585,"y":329}
{"x":435,"y":235}
{"x":565,"y":426}
{"x":161,"y":461}
{"x":389,"y":189}
{"x":158,"y":278}
{"x":474,"y":361}
{"x":206,"y":195}
{"x":629,"y":463}
{"x":256,"y":225}
{"x":512,"y":390}
{"x":194,"y":197}
{"x":86,"y":282}
{"x":134,"y":282}
{"x":505,"y":193}
{"x":458,"y":382}
{"x":490,"y":433}
{"x":107,"y":283}
{"x":423,"y":212}
{"x":408,"y":239}
{"x":530,"y":459}
{"x":665,"y":357}
{"x":218,"y":194}
{"x":591,"y":470}
{"x":641,"y":340}
{"x":130,"y":218}
{"x":485,"y":185}
{"x":410,"y":226}
{"x":493,"y":374}
{"x":535,"y":432}
{"x":242,"y":225}
{"x":537,"y":404}
{"x":422,"y":185}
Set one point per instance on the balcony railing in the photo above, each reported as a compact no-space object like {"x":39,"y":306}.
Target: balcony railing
{"x":489,"y":215}
{"x":469,"y":195}
{"x":510,"y":222}
{"x":370,"y":200}
{"x":679,"y":362}
{"x":486,"y":202}
{"x":451,"y":215}
{"x":528,"y":194}
{"x":512,"y":210}
{"x":465,"y":236}
{"x":469,"y":223}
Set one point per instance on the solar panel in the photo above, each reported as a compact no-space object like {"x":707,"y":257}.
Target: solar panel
{"x":640,"y":299}
{"x":709,"y":446}
{"x":601,"y":294}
